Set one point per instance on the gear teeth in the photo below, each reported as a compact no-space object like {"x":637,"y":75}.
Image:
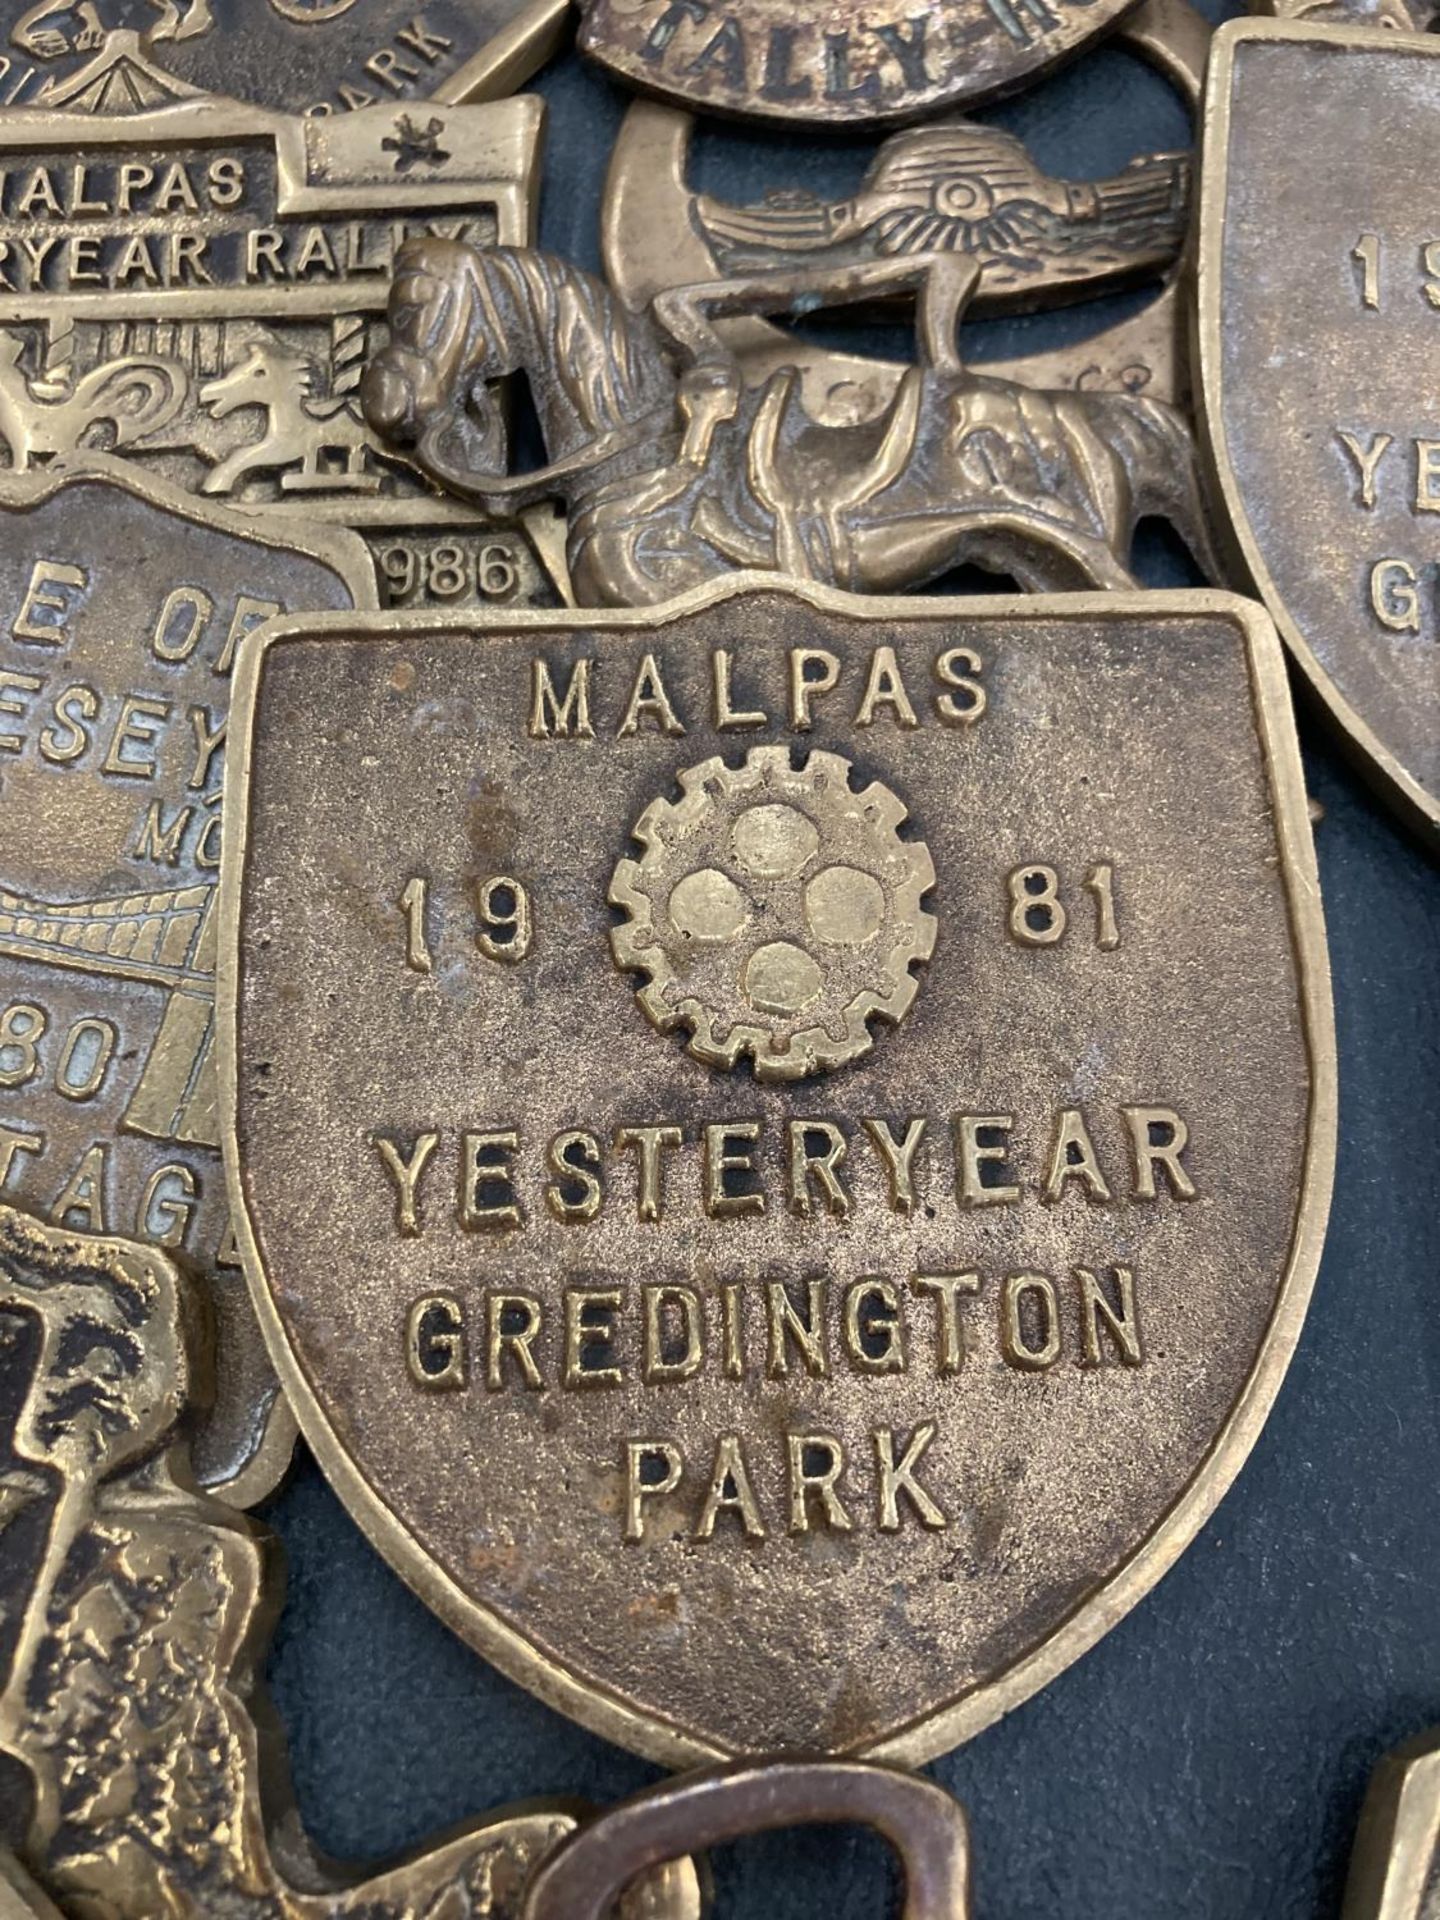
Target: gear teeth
{"x":696,"y":977}
{"x":884,"y":808}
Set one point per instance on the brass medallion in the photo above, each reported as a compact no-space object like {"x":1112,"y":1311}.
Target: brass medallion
{"x":296,"y":56}
{"x":810,"y":62}
{"x":200,"y":289}
{"x":675,"y":466}
{"x":1318,"y":414}
{"x":139,"y":1612}
{"x":123,"y":608}
{"x":806,"y":1121}
{"x":956,"y":186}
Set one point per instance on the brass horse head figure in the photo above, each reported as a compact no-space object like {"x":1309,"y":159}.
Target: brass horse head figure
{"x":674,"y":469}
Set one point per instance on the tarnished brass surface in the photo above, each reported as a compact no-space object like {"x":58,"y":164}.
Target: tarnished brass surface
{"x":200,"y":288}
{"x":923,"y":1824}
{"x":959,"y":186}
{"x":862,"y":1384}
{"x":138,"y":1613}
{"x":674,"y":468}
{"x":809,"y":61}
{"x":20,"y":1898}
{"x":1319,"y":279}
{"x":121,"y":608}
{"x":1408,"y":16}
{"x":299,"y":56}
{"x":1395,"y":1868}
{"x":1148,"y":353}
{"x":1173,"y":37}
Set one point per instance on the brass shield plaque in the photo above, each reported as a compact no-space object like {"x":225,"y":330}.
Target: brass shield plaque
{"x":781,"y":1142}
{"x":809,"y":61}
{"x":1319,"y":283}
{"x":199,"y":293}
{"x":122,"y":608}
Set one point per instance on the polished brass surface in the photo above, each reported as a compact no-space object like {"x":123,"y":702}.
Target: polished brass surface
{"x":808,"y":62}
{"x":1318,"y":288}
{"x":299,"y":56}
{"x":122,"y":605}
{"x":923,"y":1824}
{"x":673,"y":468}
{"x":139,"y":1612}
{"x":1395,"y":1868}
{"x":200,"y":289}
{"x":935,"y":1353}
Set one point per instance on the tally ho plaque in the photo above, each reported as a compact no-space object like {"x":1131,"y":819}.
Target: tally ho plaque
{"x":811,"y":62}
{"x":804,"y":1121}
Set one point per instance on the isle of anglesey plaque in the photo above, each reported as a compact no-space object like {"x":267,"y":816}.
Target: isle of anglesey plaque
{"x":123,"y":606}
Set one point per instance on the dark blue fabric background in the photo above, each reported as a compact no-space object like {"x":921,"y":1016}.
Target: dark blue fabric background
{"x":1206,"y":1761}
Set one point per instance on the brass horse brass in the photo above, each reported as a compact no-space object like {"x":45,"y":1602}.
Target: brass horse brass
{"x":657,"y":234}
{"x":674,"y":468}
{"x":122,"y":606}
{"x":1317,"y":335}
{"x":806,"y":1121}
{"x":954,"y":186}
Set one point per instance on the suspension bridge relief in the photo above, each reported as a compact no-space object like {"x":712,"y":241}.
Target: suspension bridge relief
{"x":150,"y":939}
{"x":204,"y":306}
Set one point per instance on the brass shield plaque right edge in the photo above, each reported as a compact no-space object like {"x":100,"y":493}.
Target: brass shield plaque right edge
{"x":1420,"y":808}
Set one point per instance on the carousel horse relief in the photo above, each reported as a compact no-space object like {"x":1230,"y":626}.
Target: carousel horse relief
{"x":672,"y":470}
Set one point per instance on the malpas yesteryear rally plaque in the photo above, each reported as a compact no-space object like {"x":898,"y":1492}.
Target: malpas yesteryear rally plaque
{"x":805,"y":1121}
{"x":122,"y":609}
{"x":200,"y":291}
{"x":1318,"y":318}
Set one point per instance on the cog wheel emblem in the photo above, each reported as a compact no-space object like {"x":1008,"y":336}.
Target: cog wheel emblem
{"x":775,"y":912}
